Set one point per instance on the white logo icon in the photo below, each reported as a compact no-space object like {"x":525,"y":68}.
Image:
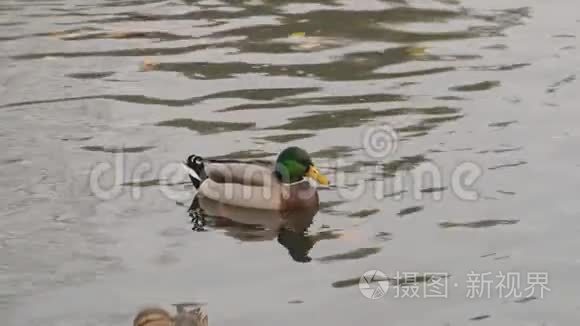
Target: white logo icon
{"x":380,"y":141}
{"x":373,"y":284}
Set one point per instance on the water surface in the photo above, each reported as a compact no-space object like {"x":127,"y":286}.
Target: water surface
{"x":142,"y":84}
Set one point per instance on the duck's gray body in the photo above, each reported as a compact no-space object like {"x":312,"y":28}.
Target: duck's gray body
{"x":249,"y":184}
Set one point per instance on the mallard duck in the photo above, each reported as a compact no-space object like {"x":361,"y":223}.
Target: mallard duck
{"x":155,"y":316}
{"x":288,"y":184}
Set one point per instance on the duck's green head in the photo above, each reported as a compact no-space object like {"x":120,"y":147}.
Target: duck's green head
{"x":294,"y":163}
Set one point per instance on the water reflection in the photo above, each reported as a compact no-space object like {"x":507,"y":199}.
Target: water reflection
{"x":247,"y":224}
{"x":478,"y":224}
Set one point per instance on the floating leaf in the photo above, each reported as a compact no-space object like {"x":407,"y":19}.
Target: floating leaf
{"x":119,"y":34}
{"x":416,"y":51}
{"x":298,"y":34}
{"x":149,"y":64}
{"x":58,"y":34}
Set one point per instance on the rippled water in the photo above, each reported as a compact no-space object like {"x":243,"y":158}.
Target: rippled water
{"x":84,"y":83}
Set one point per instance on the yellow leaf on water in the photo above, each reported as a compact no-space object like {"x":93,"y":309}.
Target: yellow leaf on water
{"x":149,"y":64}
{"x":298,"y":34}
{"x":416,"y":51}
{"x":57,"y":34}
{"x":118,"y":34}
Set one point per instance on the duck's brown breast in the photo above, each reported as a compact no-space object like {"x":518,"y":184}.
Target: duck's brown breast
{"x":298,"y":196}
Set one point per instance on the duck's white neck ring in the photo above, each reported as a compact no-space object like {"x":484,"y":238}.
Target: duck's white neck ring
{"x":309,"y":180}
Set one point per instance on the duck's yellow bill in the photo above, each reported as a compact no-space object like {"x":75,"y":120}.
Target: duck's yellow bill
{"x":316,"y":175}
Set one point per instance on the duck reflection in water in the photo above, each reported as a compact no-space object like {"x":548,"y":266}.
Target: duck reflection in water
{"x":250,"y":224}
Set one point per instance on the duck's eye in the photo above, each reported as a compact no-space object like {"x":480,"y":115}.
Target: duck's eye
{"x":197,"y":160}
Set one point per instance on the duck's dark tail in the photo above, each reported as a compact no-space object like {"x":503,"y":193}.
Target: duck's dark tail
{"x":196,"y":170}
